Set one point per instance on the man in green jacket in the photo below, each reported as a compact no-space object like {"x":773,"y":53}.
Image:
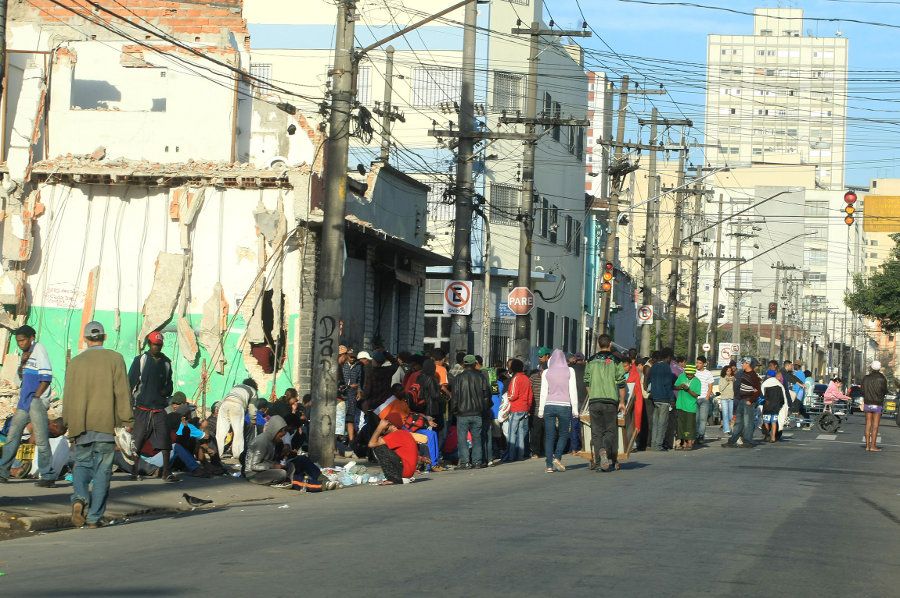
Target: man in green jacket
{"x":96,"y":401}
{"x":605,"y":378}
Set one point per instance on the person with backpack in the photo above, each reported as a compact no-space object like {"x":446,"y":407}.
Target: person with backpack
{"x":150,"y":378}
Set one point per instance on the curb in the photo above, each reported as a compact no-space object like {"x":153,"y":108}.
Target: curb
{"x":60,"y":521}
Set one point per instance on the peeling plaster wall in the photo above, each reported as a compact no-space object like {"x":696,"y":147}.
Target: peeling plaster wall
{"x":120,"y":232}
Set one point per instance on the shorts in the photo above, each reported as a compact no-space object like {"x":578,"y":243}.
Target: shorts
{"x":770,"y":418}
{"x":151,"y":426}
{"x":873,"y":408}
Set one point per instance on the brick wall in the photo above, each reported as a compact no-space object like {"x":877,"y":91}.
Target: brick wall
{"x":184,"y":19}
{"x":307,"y":320}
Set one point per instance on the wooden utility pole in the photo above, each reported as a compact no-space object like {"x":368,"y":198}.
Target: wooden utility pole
{"x":465,"y":182}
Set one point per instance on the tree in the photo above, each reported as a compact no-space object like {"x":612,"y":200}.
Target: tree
{"x":878,"y":296}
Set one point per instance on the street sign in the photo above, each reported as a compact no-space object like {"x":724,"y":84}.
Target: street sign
{"x":520,"y":301}
{"x":725,"y":354}
{"x":458,"y":298}
{"x":504,"y":312}
{"x":736,"y":351}
{"x":645,"y":315}
{"x":706,"y":347}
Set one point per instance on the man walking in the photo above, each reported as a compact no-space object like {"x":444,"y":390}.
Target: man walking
{"x":705,"y":400}
{"x":471,"y":397}
{"x":150,"y":378}
{"x":35,"y":374}
{"x":750,"y":388}
{"x":605,"y":378}
{"x":97,"y":401}
{"x":662,"y":382}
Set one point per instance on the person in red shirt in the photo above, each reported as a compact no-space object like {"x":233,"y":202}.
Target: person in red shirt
{"x":395,"y":449}
{"x":521,"y":397}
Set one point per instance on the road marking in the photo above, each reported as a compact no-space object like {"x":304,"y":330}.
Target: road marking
{"x":826,"y":437}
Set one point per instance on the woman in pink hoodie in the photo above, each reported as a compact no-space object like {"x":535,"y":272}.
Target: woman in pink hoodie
{"x":834,"y":393}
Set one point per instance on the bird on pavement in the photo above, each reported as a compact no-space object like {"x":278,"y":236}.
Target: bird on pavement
{"x":194,"y":501}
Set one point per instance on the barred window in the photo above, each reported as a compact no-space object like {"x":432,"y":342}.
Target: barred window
{"x":433,"y":85}
{"x":557,"y":113}
{"x":507,"y":91}
{"x":504,"y":204}
{"x":440,"y":207}
{"x":522,"y":2}
{"x":364,"y":85}
{"x":261,"y":74}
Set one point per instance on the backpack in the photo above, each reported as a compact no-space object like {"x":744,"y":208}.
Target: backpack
{"x":412,"y":390}
{"x":492,"y":380}
{"x":143,"y":361}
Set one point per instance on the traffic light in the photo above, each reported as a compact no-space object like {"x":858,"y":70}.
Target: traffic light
{"x":607,"y":277}
{"x":721,"y":311}
{"x":849,"y":199}
{"x":773,"y":311}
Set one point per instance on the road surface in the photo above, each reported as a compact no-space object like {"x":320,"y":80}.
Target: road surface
{"x":815,"y":515}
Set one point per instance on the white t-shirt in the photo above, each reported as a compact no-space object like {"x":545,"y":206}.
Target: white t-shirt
{"x":706,"y":380}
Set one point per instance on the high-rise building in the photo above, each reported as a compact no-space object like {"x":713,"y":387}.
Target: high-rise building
{"x":778,"y":96}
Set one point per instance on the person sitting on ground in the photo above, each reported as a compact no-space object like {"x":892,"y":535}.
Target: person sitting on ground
{"x":395,"y":449}
{"x":774,"y":398}
{"x":262,"y":467}
{"x":283,"y":405}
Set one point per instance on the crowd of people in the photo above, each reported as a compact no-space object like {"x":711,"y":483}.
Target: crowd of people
{"x":408,"y":413}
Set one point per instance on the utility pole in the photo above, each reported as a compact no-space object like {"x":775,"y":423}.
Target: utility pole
{"x":386,"y":110}
{"x":3,"y":4}
{"x":736,"y":316}
{"x":651,"y":238}
{"x":465,"y":183}
{"x":331,"y":259}
{"x":759,"y":308}
{"x":674,"y":276}
{"x":486,"y":302}
{"x":695,"y":275}
{"x":717,"y":284}
{"x":778,"y":313}
{"x":522,"y":342}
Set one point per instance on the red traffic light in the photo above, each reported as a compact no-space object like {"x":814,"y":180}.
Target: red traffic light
{"x":608,"y":272}
{"x":850,"y":197}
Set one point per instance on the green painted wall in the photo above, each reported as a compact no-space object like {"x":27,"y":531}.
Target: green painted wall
{"x":59,"y":330}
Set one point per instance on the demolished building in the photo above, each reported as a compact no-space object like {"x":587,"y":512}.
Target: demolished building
{"x":132,"y":196}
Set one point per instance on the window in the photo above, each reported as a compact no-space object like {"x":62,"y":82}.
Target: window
{"x":548,"y":106}
{"x":261,"y":74}
{"x":577,"y":239}
{"x":873,"y":243}
{"x":570,"y":233}
{"x":521,"y":2}
{"x":507,"y":91}
{"x":541,"y":321}
{"x":440,"y":207}
{"x":433,"y":85}
{"x":579,"y":144}
{"x":557,"y":113}
{"x":815,"y":257}
{"x":566,"y":330}
{"x":551,"y":329}
{"x":817,"y":208}
{"x":817,"y":277}
{"x":538,"y":214}
{"x":570,"y":139}
{"x":504,"y":204}
{"x":545,"y":217}
{"x":554,"y":224}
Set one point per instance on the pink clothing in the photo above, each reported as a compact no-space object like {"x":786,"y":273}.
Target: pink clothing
{"x":833,"y":393}
{"x":557,"y":377}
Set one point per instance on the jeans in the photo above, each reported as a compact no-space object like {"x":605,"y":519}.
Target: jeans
{"x":518,"y":430}
{"x":434,"y":450}
{"x":91,"y":475}
{"x":604,"y":429}
{"x":727,"y":412}
{"x":536,"y":436}
{"x":487,"y":438}
{"x":464,"y":425}
{"x":185,"y":456}
{"x":575,"y":435}
{"x":745,"y":422}
{"x":660,"y":424}
{"x":557,"y":419}
{"x":702,"y":416}
{"x":391,"y":465}
{"x":37,"y":415}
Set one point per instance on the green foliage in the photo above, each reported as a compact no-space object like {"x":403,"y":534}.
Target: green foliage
{"x":748,"y":339}
{"x":878,"y":296}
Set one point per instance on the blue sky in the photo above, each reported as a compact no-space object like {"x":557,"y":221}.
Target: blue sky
{"x":679,"y":33}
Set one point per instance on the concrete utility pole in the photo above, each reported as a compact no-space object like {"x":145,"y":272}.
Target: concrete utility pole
{"x":465,"y":183}
{"x":695,"y":276}
{"x":486,"y":300}
{"x":781,"y":305}
{"x":759,"y":308}
{"x":674,"y":276}
{"x":3,"y":4}
{"x":522,"y":342}
{"x":651,"y":238}
{"x":717,"y":283}
{"x":331,"y":260}
{"x":736,"y":316}
{"x":387,"y":108}
{"x":778,"y":313}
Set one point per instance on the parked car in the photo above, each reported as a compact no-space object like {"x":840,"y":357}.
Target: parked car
{"x":890,"y":408}
{"x":855,"y":393}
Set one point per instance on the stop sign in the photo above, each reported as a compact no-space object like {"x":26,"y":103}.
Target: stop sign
{"x":520,"y":301}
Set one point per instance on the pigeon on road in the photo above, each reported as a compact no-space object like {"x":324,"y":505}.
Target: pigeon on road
{"x":194,"y":501}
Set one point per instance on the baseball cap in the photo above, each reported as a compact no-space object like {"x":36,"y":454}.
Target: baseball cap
{"x":178,"y":398}
{"x":544,"y":351}
{"x":395,"y":419}
{"x":379,"y":356}
{"x":469,"y":360}
{"x":690,"y":369}
{"x":579,"y":356}
{"x":94,"y":330}
{"x":363,"y":355}
{"x":747,"y":360}
{"x":876,"y":365}
{"x":155,"y":338}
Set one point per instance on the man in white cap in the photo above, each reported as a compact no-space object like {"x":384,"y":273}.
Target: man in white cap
{"x":97,"y":401}
{"x":874,"y":387}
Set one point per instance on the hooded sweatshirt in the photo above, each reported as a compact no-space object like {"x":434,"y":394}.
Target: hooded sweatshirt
{"x":261,"y":453}
{"x":558,"y":384}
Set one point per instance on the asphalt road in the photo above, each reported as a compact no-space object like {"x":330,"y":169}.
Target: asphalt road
{"x":811,"y":516}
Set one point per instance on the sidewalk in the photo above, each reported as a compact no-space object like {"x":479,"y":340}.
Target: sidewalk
{"x":25,"y":507}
